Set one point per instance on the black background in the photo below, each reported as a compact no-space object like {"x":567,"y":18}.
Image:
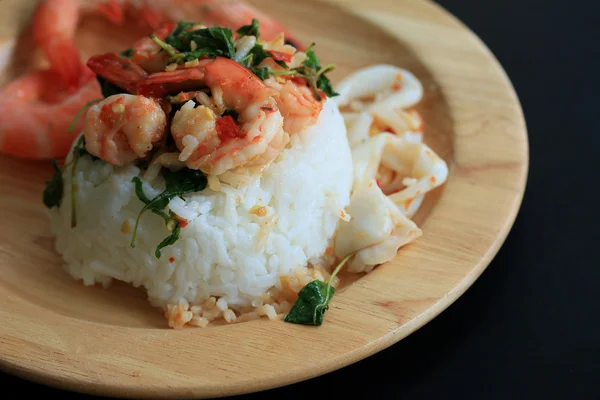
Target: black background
{"x":528,"y":328}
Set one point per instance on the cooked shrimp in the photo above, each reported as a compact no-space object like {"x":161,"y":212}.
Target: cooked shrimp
{"x":297,"y":103}
{"x":214,"y":143}
{"x":120,"y":71}
{"x":124,"y":127}
{"x":36,"y":114}
{"x":38,"y":108}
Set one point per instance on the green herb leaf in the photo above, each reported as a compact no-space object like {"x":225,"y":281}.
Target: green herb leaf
{"x":177,"y":184}
{"x":172,"y":51}
{"x":250,"y":30}
{"x":256,"y":55}
{"x":313,"y":300}
{"x":314,"y":74}
{"x":108,"y":88}
{"x":184,"y":181}
{"x":210,"y":42}
{"x":311,"y":304}
{"x":182,"y":26}
{"x":53,"y":192}
{"x":281,"y":63}
{"x":78,"y":151}
{"x":312,"y":61}
{"x":139,"y":191}
{"x":127,"y":53}
{"x":169,"y":240}
{"x":262,"y":73}
{"x":326,"y":87}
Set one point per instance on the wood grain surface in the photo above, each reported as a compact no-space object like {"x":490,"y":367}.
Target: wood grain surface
{"x":112,"y":342}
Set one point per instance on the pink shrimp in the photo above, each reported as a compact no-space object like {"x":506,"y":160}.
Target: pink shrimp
{"x":124,"y":127}
{"x":37,"y":112}
{"x":296,"y":102}
{"x":38,"y":108}
{"x":121,"y":71}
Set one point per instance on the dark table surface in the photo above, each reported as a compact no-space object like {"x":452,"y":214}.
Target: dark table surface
{"x":528,"y":328}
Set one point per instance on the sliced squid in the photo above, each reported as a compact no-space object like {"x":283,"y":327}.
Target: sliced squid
{"x":414,"y":162}
{"x":375,"y":99}
{"x":392,"y":87}
{"x":376,"y":231}
{"x":381,"y":224}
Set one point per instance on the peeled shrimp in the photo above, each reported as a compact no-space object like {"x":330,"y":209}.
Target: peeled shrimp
{"x":36,"y":112}
{"x":214,"y":143}
{"x":38,"y":108}
{"x":124,"y":127}
{"x":297,"y":104}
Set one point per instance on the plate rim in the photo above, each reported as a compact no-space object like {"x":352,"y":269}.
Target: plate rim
{"x":133,"y":388}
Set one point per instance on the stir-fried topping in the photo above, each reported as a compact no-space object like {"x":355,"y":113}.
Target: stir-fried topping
{"x":189,"y":42}
{"x":189,"y":62}
{"x":195,"y":101}
{"x":177,"y":184}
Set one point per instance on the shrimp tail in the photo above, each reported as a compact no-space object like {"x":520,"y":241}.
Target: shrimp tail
{"x":162,"y":83}
{"x":121,"y":71}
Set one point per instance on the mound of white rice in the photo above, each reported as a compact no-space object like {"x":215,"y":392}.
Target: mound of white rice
{"x":243,"y":249}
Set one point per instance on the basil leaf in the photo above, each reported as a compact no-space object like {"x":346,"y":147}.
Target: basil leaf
{"x":258,"y":54}
{"x":184,"y":181}
{"x":262,"y":73}
{"x":177,"y":184}
{"x":53,"y":192}
{"x":311,"y":304}
{"x":313,"y":300}
{"x":169,"y":240}
{"x":139,"y":190}
{"x":312,"y":61}
{"x":210,"y":42}
{"x":250,"y":30}
{"x":127,"y":53}
{"x":281,"y":63}
{"x":326,"y":87}
{"x":255,"y":56}
{"x":182,"y":26}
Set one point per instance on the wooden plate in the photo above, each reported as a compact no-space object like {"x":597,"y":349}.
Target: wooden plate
{"x":111,"y":342}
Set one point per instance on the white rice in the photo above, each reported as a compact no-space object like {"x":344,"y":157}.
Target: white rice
{"x":227,"y":251}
